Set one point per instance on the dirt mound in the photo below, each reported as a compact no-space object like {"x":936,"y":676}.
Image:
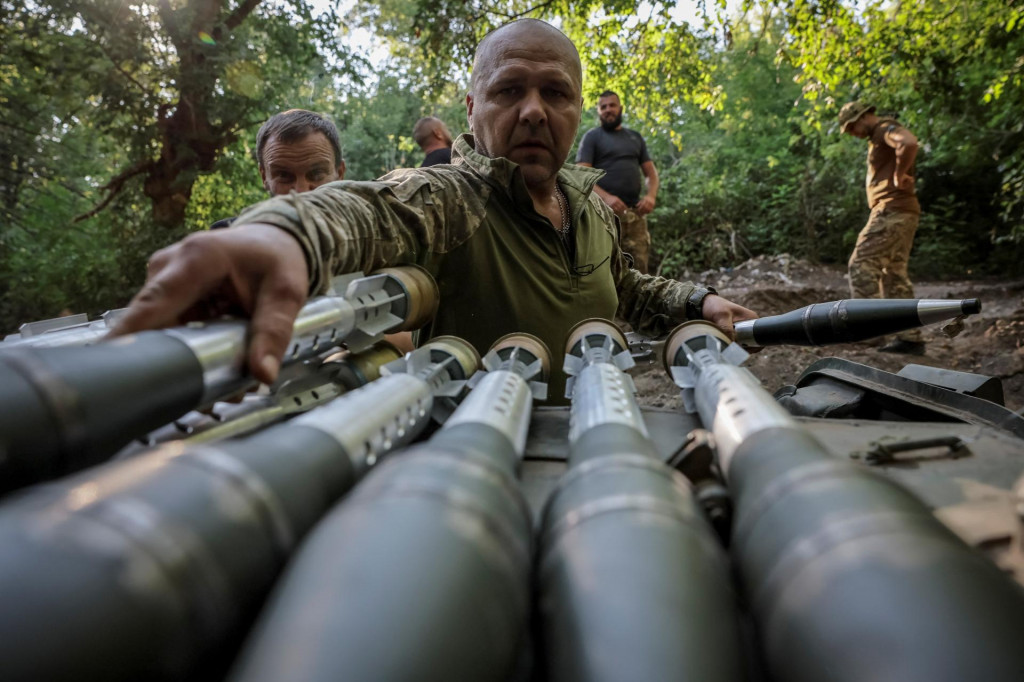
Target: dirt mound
{"x":991,"y":343}
{"x":781,"y":270}
{"x":776,"y":284}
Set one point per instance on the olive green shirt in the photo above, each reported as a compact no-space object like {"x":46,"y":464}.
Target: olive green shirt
{"x":500,"y":266}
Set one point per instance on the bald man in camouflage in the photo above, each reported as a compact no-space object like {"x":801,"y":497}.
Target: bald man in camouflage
{"x":878,"y":265}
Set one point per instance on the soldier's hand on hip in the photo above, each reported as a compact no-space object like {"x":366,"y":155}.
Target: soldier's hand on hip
{"x":253,"y":270}
{"x":645,"y":206}
{"x":617,"y":205}
{"x":724,"y":313}
{"x":906,"y":182}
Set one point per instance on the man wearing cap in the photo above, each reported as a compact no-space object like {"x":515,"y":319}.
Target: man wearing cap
{"x":878,"y":265}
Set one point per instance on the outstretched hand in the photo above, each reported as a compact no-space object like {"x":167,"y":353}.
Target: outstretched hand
{"x":253,"y":270}
{"x":724,"y":314}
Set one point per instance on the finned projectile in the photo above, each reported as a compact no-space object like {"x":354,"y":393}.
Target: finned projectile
{"x":632,"y":585}
{"x":143,"y":569}
{"x":63,"y":409}
{"x":827,"y":550}
{"x":424,"y":572}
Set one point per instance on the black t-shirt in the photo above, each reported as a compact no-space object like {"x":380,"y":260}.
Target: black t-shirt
{"x":442,"y":155}
{"x":225,"y":222}
{"x":619,"y":153}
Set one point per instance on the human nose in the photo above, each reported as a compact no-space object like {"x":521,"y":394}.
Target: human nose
{"x":302,"y":185}
{"x":532,"y":108}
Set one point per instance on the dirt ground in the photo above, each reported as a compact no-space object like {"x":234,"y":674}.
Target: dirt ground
{"x":991,"y":343}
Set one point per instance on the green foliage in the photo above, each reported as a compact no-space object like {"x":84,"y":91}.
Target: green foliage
{"x":753,"y":176}
{"x":952,"y":69}
{"x":110,"y":112}
{"x":148,"y":109}
{"x":376,"y":123}
{"x":234,"y":185}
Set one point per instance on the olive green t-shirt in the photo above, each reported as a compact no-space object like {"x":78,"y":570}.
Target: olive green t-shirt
{"x":500,"y":266}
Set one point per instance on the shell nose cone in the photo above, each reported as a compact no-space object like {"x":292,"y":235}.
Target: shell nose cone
{"x":971,"y":306}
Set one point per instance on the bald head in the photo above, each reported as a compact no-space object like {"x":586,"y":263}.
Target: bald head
{"x":540,"y":37}
{"x":525,"y":99}
{"x":431,"y":131}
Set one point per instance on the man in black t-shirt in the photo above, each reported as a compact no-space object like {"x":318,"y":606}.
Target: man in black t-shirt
{"x":622,"y":154}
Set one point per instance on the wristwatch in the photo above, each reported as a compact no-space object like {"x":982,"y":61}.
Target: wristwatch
{"x":695,"y":302}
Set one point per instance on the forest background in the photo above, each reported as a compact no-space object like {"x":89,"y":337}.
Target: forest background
{"x":124,"y":125}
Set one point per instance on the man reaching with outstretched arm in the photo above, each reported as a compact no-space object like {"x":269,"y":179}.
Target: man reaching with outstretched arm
{"x":516,"y":239}
{"x":622,"y":154}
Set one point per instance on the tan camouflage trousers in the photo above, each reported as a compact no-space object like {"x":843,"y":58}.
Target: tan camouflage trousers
{"x":635,"y":239}
{"x":878,"y":265}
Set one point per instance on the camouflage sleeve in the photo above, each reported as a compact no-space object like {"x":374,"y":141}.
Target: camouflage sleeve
{"x":651,"y":305}
{"x":402,"y":218}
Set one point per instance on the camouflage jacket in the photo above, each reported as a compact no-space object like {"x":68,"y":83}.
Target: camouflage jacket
{"x":500,"y":266}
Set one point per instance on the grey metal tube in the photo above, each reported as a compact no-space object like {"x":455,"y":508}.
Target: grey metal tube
{"x":632,"y":584}
{"x":141,"y":568}
{"x":369,"y":307}
{"x":422,"y":574}
{"x":849,"y":576}
{"x":852,"y":578}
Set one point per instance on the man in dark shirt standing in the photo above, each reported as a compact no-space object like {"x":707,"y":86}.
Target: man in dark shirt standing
{"x":432,"y":135}
{"x":878,"y":265}
{"x":622,"y":154}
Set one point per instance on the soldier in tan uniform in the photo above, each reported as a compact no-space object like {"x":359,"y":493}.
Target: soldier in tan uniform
{"x":878,"y":265}
{"x":516,"y":238}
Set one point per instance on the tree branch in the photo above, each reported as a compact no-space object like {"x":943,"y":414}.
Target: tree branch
{"x":240,"y":14}
{"x":170,"y":24}
{"x":117,"y":66}
{"x":512,"y":17}
{"x":114,"y":187}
